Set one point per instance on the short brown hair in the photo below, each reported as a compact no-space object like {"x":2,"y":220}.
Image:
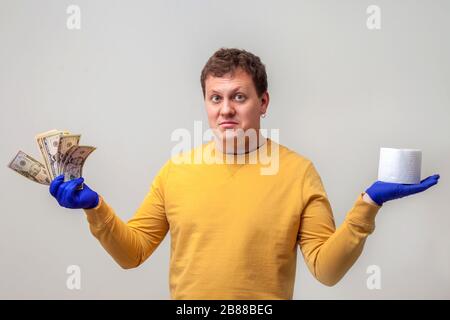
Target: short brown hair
{"x":226,"y":60}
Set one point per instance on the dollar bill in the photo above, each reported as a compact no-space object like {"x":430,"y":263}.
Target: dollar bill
{"x":48,"y":145}
{"x":61,"y":154}
{"x":65,"y":143}
{"x":30,"y":168}
{"x":41,"y":144}
{"x":51,"y":144}
{"x":74,"y":161}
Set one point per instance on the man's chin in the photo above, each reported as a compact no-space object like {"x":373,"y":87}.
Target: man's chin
{"x":228,"y":134}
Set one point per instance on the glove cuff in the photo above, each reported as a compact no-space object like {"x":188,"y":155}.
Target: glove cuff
{"x":95,"y":202}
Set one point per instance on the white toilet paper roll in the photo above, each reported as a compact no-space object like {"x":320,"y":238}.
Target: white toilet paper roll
{"x":400,"y":165}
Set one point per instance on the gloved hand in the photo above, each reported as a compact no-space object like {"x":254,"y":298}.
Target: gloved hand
{"x":384,"y":191}
{"x":69,"y":197}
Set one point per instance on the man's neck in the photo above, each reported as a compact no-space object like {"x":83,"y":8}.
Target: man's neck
{"x":239,"y":147}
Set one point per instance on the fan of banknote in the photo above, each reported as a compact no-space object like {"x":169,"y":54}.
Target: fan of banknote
{"x":61,"y":155}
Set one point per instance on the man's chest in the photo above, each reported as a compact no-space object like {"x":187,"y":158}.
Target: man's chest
{"x":235,"y":199}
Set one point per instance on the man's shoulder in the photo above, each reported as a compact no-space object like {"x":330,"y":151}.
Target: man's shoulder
{"x":288,"y":154}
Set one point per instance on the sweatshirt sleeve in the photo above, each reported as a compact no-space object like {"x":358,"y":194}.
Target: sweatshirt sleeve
{"x":329,"y":252}
{"x":131,"y":243}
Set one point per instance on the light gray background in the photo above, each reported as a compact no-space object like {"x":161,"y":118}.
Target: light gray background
{"x":130,"y":77}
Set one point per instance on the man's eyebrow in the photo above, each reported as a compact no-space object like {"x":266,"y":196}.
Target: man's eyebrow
{"x":232,"y":91}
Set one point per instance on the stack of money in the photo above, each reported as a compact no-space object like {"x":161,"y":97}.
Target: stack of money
{"x":61,"y":155}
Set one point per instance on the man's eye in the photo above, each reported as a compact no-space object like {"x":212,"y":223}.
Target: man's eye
{"x":215,"y":98}
{"x":239,"y":97}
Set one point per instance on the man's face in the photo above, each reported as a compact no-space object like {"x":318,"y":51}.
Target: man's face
{"x":232,"y":103}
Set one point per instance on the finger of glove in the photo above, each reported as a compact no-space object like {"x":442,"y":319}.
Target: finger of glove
{"x":419,"y":187}
{"x":56,"y":183}
{"x":433,"y":177}
{"x":68,"y":195}
{"x":61,"y":189}
{"x":69,"y":191}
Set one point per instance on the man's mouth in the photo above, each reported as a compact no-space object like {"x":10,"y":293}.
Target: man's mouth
{"x":228,"y":124}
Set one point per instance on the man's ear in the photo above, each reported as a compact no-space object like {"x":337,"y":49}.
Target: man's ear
{"x":264,"y":101}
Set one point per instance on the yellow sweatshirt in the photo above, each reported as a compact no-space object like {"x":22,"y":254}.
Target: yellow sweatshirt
{"x":234,"y":231}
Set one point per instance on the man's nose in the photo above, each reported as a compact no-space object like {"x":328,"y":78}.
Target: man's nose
{"x":227,"y":108}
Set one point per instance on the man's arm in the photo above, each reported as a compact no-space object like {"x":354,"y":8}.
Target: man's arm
{"x":131,"y":243}
{"x":329,"y":252}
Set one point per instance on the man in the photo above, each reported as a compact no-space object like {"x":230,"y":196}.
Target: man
{"x":234,"y":231}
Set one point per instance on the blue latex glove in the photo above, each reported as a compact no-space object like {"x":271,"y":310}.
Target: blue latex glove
{"x":69,"y":197}
{"x":384,"y":191}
